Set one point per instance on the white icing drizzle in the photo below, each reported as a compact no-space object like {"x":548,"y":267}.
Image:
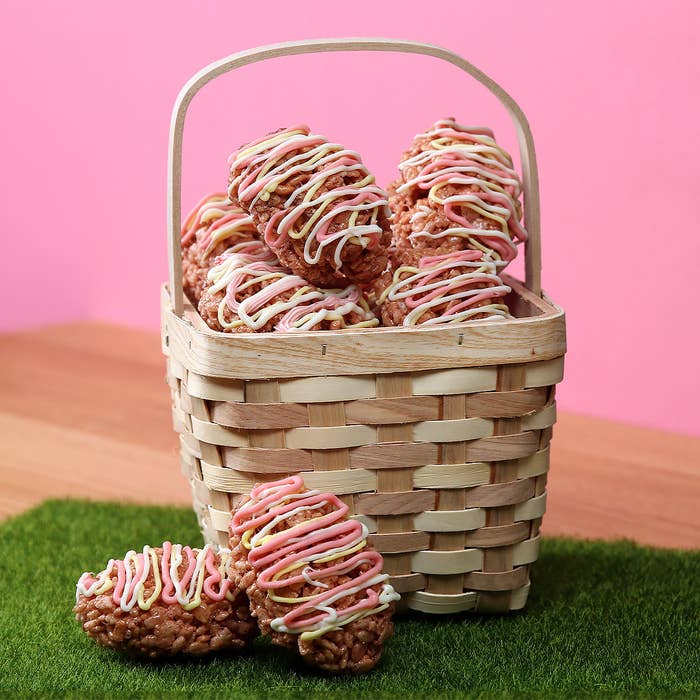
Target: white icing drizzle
{"x":261,"y":167}
{"x":461,"y":156}
{"x":216,"y":219}
{"x":134,"y":570}
{"x":284,"y":559}
{"x":426,"y":287}
{"x":246,"y":266}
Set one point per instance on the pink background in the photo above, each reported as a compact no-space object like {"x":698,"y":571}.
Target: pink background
{"x":610,"y":88}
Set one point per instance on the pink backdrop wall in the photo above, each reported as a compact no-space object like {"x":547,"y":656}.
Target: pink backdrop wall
{"x":610,"y":88}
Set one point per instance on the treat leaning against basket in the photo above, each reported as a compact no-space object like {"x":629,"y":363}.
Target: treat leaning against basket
{"x":437,"y":437}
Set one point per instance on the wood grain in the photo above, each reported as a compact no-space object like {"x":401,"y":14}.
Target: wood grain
{"x":533,"y":339}
{"x":85,"y":411}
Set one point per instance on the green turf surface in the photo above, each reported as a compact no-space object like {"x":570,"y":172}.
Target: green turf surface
{"x":603,"y":619}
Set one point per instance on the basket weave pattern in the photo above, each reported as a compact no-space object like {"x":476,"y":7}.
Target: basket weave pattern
{"x":447,"y":468}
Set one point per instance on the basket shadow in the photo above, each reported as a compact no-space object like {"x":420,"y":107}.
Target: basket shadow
{"x":170,"y":663}
{"x":570,"y":571}
{"x":281,"y":663}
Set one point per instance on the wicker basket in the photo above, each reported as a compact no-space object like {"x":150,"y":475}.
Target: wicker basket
{"x":437,"y":438}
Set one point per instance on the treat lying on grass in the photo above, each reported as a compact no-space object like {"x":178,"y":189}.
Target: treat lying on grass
{"x":164,"y":601}
{"x":313,"y":581}
{"x":211,"y":228}
{"x":316,"y":204}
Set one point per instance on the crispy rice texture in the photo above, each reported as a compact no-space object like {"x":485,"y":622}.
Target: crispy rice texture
{"x":393,"y":313}
{"x":167,"y":630}
{"x":356,"y":648}
{"x":196,"y":266}
{"x":209,"y":310}
{"x":406,"y":205}
{"x":358,"y":265}
{"x":194,"y":273}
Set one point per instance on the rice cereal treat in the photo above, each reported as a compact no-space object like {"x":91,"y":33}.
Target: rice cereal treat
{"x":458,"y":190}
{"x":165,"y":601}
{"x":249,"y":292}
{"x":313,"y":581}
{"x":316,"y":205}
{"x":437,"y":289}
{"x":212,"y":227}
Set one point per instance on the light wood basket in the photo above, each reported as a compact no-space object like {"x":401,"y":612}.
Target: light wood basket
{"x":437,"y":438}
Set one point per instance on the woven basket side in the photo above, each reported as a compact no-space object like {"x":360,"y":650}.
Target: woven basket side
{"x":450,"y":484}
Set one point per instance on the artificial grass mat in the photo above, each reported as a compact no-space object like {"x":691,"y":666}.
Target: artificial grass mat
{"x":602,"y":619}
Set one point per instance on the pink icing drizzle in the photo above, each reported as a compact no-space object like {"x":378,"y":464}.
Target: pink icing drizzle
{"x":466,"y":168}
{"x":330,"y":303}
{"x":295,"y":545}
{"x":433,"y":266}
{"x":253,"y":260}
{"x":232,"y":215}
{"x":212,"y":579}
{"x":252,"y":173}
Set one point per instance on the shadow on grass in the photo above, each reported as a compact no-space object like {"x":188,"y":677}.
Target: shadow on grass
{"x":163,"y":665}
{"x":570,"y":573}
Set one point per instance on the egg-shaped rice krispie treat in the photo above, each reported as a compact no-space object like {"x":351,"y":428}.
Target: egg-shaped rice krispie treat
{"x":213,"y":226}
{"x":250,"y":292}
{"x":457,"y":190}
{"x":420,"y":289}
{"x":165,"y":601}
{"x":316,"y":205}
{"x":313,"y":581}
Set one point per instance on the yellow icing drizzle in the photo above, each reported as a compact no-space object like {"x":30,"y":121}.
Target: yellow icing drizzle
{"x":131,"y":591}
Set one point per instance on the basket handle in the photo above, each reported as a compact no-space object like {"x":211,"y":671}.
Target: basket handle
{"x":199,"y":80}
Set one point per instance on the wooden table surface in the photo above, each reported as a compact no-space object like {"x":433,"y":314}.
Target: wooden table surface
{"x":84,"y":411}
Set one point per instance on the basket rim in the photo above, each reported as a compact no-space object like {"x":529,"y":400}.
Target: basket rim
{"x":548,"y":308}
{"x":246,"y":356}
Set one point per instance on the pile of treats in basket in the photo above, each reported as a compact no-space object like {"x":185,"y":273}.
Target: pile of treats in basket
{"x":306,"y":240}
